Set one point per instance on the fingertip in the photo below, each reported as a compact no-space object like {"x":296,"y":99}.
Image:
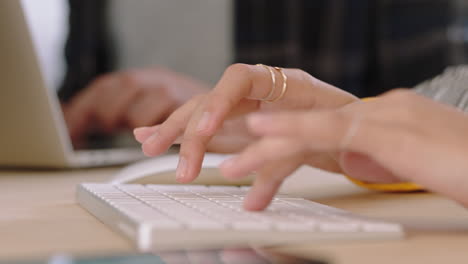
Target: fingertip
{"x":143,"y":134}
{"x":150,"y":146}
{"x":181,"y":170}
{"x":140,"y":134}
{"x":148,"y":151}
{"x":255,"y":200}
{"x":253,"y":204}
{"x":261,"y":193}
{"x":188,"y":175}
{"x":226,"y":168}
{"x":186,"y":172}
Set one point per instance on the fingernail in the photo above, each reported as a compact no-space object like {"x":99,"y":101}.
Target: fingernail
{"x":229,"y":163}
{"x":139,"y":129}
{"x":181,"y":168}
{"x":152,"y":139}
{"x":204,"y":122}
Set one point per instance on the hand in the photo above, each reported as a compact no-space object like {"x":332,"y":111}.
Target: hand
{"x":197,"y":122}
{"x":128,"y":99}
{"x":399,"y":136}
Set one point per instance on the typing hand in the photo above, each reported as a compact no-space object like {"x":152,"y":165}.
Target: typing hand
{"x":239,"y":92}
{"x":399,"y":136}
{"x":128,"y":99}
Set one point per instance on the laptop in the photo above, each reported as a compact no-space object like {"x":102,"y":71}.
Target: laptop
{"x":33,"y":131}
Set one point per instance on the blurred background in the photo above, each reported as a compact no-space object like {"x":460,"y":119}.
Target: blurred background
{"x":365,"y":47}
{"x":193,"y":37}
{"x":200,"y":38}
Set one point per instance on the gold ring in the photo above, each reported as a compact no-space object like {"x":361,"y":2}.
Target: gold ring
{"x":273,"y":81}
{"x":284,"y":88}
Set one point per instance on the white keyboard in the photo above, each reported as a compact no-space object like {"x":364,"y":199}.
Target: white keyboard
{"x":174,"y":216}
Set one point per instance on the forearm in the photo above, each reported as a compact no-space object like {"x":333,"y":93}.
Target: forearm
{"x":451,"y":87}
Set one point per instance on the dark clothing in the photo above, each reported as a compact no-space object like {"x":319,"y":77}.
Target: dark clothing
{"x":363,"y":46}
{"x":88,"y":51}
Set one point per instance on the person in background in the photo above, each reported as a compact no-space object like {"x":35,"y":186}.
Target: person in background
{"x":364,"y":47}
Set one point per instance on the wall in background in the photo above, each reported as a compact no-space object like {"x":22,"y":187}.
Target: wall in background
{"x":193,"y":37}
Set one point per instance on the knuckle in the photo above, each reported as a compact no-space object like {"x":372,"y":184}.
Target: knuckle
{"x":302,"y":75}
{"x":403,"y":106}
{"x":129,"y":80}
{"x":299,"y":72}
{"x":400,"y":95}
{"x":238,"y":69}
{"x":98,"y":86}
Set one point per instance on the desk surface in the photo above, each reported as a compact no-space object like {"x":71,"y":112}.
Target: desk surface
{"x":39,"y":217}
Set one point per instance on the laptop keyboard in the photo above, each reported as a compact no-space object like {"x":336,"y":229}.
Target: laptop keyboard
{"x":106,"y":157}
{"x":172,"y":209}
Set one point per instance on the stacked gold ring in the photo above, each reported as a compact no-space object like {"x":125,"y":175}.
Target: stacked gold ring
{"x":270,"y":97}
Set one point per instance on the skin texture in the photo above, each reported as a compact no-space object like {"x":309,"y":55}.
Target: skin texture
{"x":399,"y":136}
{"x":216,"y":121}
{"x":128,"y":99}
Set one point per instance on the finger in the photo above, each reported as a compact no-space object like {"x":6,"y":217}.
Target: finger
{"x":228,"y":143}
{"x":170,"y":130}
{"x":386,"y":141}
{"x":150,"y":108}
{"x":323,"y":160}
{"x":242,"y":86}
{"x":268,"y":181}
{"x":192,"y":152}
{"x":77,"y":125}
{"x":143,"y":133}
{"x":79,"y":113}
{"x":236,"y":84}
{"x":321,"y":130}
{"x":265,"y":151}
{"x":114,"y":94}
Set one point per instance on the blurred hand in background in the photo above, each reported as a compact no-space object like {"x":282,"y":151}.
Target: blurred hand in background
{"x":128,"y":99}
